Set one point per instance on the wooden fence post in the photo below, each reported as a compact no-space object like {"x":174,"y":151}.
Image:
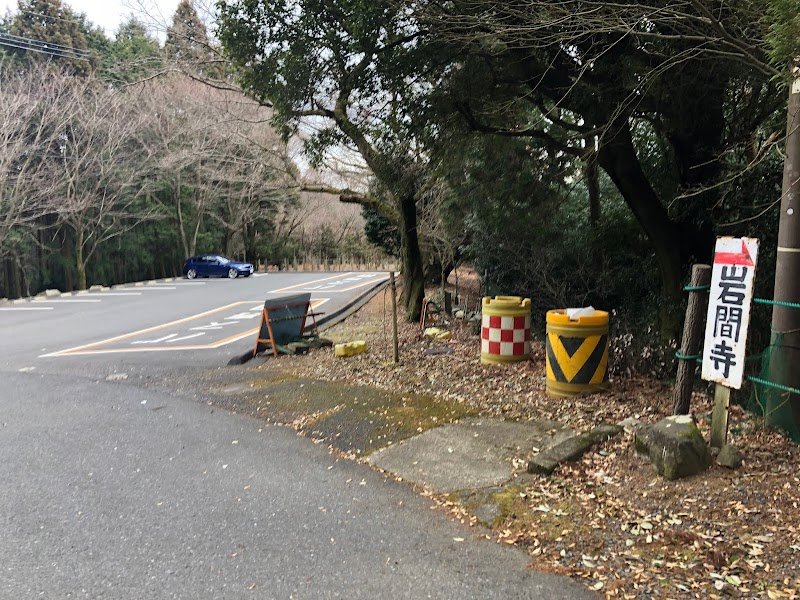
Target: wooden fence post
{"x":719,"y":417}
{"x":693,"y":328}
{"x":394,"y":317}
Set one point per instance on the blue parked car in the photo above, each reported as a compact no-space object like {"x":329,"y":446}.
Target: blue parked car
{"x":215,"y":265}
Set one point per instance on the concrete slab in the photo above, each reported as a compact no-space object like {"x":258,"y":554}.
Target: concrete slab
{"x":475,"y":453}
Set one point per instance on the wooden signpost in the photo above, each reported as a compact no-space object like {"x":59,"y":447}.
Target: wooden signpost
{"x":727,"y":320}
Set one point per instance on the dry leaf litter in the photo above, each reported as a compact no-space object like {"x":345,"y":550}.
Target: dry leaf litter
{"x":607,"y":519}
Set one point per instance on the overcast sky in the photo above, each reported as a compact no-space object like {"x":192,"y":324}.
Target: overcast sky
{"x":108,"y":14}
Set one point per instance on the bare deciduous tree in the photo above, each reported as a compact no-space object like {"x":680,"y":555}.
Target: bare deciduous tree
{"x":100,"y":163}
{"x":215,"y":157}
{"x":30,"y":122}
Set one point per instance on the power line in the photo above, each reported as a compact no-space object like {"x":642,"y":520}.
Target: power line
{"x":36,"y":14}
{"x":50,"y":45}
{"x":42,"y":47}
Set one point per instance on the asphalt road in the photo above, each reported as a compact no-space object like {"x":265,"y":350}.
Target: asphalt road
{"x":112,"y":489}
{"x":185,"y":322}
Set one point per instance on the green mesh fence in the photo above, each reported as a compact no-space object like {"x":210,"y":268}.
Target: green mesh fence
{"x":773,"y":400}
{"x":777,"y":403}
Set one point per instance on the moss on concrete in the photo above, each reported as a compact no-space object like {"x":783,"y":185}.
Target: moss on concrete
{"x":357,"y":419}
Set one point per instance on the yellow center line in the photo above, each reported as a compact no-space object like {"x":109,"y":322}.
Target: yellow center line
{"x":90,"y":349}
{"x":147,"y":330}
{"x":211,"y":346}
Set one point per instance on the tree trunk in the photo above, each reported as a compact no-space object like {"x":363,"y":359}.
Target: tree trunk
{"x":176,"y":193}
{"x":10,"y":290}
{"x":411,"y":258}
{"x":80,"y":265}
{"x":617,"y":156}
{"x":66,"y":253}
{"x":593,"y":189}
{"x":15,"y":280}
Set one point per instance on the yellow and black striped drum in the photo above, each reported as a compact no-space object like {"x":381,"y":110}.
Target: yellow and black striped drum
{"x":577,"y":353}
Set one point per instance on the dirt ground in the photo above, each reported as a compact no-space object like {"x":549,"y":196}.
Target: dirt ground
{"x":607,"y":519}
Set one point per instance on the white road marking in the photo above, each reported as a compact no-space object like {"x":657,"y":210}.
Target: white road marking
{"x":149,"y":345}
{"x":166,"y":337}
{"x":357,"y":279}
{"x":212,"y":325}
{"x":243,"y":315}
{"x":29,"y":308}
{"x":186,"y":337}
{"x":56,"y":300}
{"x":85,"y":348}
{"x":113,"y":294}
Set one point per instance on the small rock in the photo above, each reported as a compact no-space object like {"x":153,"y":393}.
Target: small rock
{"x":298,"y":347}
{"x":630,"y":424}
{"x":459,"y":314}
{"x":438,"y":351}
{"x":476,"y":323}
{"x":729,"y":457}
{"x":487,"y":514}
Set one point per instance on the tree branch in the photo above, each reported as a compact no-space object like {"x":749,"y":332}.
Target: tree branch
{"x":349,"y":196}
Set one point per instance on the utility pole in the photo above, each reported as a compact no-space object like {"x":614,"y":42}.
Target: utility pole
{"x":785,"y":350}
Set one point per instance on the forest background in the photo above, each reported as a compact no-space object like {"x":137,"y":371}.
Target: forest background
{"x":573,"y":152}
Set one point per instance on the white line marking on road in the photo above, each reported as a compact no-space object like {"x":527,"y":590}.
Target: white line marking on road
{"x":63,"y":300}
{"x":212,"y":325}
{"x":113,"y":294}
{"x":166,"y":337}
{"x":84,"y":348}
{"x":186,"y":337}
{"x":328,"y":289}
{"x":29,"y":308}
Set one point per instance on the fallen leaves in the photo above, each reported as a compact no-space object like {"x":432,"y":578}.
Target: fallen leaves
{"x":606,"y":519}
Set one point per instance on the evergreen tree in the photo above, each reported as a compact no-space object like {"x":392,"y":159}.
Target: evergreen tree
{"x":187,"y":42}
{"x":342,"y":64}
{"x":47,"y":30}
{"x":133,"y":55}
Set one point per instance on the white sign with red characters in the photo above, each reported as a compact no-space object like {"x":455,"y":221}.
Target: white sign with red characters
{"x":729,"y":310}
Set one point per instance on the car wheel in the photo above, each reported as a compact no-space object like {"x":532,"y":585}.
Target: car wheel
{"x":191,"y":274}
{"x":233,"y":273}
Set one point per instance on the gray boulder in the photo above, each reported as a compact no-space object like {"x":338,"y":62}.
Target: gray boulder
{"x":675,"y":445}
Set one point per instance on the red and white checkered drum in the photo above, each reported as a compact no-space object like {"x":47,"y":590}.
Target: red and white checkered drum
{"x":505,"y":329}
